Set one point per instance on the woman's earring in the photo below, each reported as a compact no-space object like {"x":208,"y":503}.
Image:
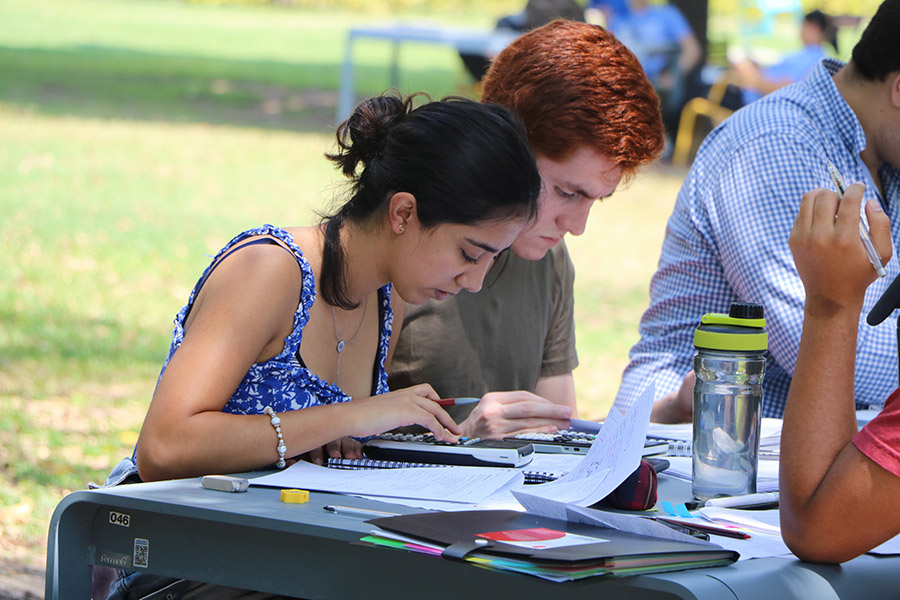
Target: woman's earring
{"x":401,"y":227}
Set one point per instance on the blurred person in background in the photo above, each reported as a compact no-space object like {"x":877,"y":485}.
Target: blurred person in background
{"x":666,"y":46}
{"x":756,"y":81}
{"x":535,"y":14}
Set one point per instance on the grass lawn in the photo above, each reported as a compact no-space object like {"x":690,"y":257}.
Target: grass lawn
{"x":135,"y":139}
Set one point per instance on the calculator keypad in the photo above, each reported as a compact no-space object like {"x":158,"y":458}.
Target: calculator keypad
{"x":560,"y":437}
{"x":425,"y":438}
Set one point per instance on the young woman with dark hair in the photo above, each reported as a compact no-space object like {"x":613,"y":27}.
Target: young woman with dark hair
{"x":281,"y":347}
{"x":295,"y":322}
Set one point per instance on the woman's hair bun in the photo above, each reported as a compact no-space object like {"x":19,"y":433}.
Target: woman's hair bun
{"x":361,"y":137}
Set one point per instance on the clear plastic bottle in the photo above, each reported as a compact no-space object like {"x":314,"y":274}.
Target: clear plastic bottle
{"x":730,"y":364}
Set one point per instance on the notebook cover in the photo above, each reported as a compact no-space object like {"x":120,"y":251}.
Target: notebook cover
{"x":447,"y":528}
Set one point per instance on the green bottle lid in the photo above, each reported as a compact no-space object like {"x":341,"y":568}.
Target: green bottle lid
{"x":742,"y":329}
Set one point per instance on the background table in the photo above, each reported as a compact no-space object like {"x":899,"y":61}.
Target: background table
{"x":469,"y":41}
{"x":253,"y":540}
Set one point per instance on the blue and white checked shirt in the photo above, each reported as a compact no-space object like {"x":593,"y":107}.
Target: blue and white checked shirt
{"x":727,"y":240}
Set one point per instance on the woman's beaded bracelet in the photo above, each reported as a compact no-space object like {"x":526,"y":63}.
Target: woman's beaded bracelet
{"x":276,"y":423}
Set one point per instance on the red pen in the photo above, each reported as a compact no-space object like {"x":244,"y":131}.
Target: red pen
{"x":457,"y":401}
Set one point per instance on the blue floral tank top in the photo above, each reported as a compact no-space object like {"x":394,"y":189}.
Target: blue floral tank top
{"x":283,"y":382}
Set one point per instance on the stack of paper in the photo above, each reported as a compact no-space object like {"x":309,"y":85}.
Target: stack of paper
{"x":679,"y":436}
{"x":681,"y":467}
{"x":557,"y":539}
{"x":463,"y":485}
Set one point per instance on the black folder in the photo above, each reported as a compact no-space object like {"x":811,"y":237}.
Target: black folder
{"x":498,"y":533}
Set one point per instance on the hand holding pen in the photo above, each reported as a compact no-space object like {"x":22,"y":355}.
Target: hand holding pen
{"x":825,"y":243}
{"x":457,"y":401}
{"x":871,"y":250}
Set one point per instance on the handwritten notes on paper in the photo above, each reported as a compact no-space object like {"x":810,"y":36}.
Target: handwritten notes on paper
{"x":614,"y":455}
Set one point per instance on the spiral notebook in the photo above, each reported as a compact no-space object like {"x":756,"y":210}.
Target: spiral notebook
{"x":541,"y":469}
{"x":678,"y":437}
{"x":673,"y":447}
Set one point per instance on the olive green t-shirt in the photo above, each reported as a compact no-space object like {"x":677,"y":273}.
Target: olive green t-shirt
{"x":519,"y":327}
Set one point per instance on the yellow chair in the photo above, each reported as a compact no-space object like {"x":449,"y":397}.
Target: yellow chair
{"x":709,"y":107}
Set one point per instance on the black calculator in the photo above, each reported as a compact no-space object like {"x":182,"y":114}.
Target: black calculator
{"x":569,"y":441}
{"x":469,"y":452}
{"x":566,"y":441}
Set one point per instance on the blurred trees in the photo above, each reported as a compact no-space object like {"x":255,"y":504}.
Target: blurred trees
{"x":832,"y":7}
{"x":851,"y":7}
{"x":500,"y":7}
{"x":486,"y":7}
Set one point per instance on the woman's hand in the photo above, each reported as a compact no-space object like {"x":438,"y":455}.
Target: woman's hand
{"x":505,"y":414}
{"x":345,"y":447}
{"x":416,"y":405}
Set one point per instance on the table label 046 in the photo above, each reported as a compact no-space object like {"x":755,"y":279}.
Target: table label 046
{"x":121,"y":519}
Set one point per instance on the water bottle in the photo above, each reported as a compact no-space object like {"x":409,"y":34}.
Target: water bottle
{"x":729,"y":365}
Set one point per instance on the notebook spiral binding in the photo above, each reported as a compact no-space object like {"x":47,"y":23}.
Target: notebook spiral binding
{"x":369,"y":463}
{"x":676,"y":447}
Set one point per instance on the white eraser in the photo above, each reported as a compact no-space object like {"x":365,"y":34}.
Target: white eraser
{"x":225,"y":483}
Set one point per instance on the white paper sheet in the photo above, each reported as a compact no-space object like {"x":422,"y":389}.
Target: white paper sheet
{"x":769,"y":432}
{"x":892,"y":546}
{"x":764,"y":527}
{"x":760,"y":545}
{"x":629,"y":523}
{"x":614,"y":455}
{"x":557,"y":464}
{"x":751,"y":521}
{"x":465,"y":484}
{"x":681,"y":467}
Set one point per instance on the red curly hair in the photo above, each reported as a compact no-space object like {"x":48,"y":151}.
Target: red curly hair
{"x":574,"y":85}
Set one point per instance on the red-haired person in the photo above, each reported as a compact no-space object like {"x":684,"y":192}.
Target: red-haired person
{"x":592,"y":119}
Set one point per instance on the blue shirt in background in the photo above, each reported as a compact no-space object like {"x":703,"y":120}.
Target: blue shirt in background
{"x":727,"y":239}
{"x":653,"y":34}
{"x":791,"y":68}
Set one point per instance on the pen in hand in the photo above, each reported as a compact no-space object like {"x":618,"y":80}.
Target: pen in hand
{"x":457,"y":401}
{"x":871,"y":250}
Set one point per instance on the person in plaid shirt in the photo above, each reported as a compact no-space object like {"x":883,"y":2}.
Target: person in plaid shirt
{"x":727,"y":238}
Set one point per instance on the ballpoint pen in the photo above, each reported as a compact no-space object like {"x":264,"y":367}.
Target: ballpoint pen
{"x":358,"y":512}
{"x":685,"y":529}
{"x":871,"y":250}
{"x":457,"y":401}
{"x":726,"y":531}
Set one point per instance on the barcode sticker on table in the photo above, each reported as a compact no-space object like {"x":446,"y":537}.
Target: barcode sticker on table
{"x":141,"y":553}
